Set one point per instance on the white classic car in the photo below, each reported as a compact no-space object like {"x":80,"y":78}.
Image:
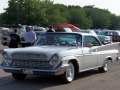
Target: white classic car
{"x":64,"y":54}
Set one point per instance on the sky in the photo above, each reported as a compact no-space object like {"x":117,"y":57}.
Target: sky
{"x":112,"y":5}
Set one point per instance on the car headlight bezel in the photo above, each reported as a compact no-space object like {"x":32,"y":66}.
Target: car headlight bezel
{"x":5,"y":55}
{"x":53,"y":60}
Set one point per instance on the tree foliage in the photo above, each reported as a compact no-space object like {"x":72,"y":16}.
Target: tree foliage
{"x":77,"y":16}
{"x":99,"y":17}
{"x":35,"y":12}
{"x":114,"y":22}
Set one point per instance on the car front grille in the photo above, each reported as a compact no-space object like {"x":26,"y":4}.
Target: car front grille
{"x":30,"y":64}
{"x":28,"y":56}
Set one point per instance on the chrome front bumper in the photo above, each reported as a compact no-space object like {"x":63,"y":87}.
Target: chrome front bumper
{"x":57,"y":71}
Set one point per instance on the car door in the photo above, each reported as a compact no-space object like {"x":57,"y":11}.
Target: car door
{"x":90,"y":56}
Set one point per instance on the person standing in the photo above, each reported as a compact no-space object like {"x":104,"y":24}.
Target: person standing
{"x":15,"y":39}
{"x":50,"y":29}
{"x":30,"y":37}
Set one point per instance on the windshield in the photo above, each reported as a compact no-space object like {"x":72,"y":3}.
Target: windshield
{"x":59,"y":39}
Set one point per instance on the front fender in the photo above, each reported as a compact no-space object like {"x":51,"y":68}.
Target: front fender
{"x":69,"y":58}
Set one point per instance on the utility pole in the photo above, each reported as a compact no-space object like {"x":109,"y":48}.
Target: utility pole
{"x":18,"y":12}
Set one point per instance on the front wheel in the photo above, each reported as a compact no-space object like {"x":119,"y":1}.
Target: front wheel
{"x":69,"y":74}
{"x":104,"y":68}
{"x":17,"y":76}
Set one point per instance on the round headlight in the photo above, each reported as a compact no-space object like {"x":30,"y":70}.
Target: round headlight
{"x":5,"y":55}
{"x":54,"y":60}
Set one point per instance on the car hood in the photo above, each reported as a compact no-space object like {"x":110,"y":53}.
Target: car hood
{"x":48,"y":50}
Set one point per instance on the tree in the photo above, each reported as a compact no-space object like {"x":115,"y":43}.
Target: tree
{"x":32,"y":12}
{"x":78,"y":17}
{"x":99,"y":17}
{"x":114,"y":22}
{"x":56,"y":14}
{"x":35,"y":12}
{"x":28,"y":12}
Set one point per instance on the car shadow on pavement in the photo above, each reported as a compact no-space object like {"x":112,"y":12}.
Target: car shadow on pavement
{"x":87,"y":74}
{"x":30,"y":83}
{"x":38,"y":82}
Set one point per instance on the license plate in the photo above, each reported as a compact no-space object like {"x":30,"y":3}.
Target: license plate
{"x":27,"y":71}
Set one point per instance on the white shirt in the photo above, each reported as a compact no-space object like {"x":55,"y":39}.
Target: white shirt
{"x":30,"y":37}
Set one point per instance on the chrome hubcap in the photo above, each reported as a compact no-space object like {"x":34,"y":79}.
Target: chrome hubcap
{"x":105,"y":67}
{"x":70,"y":72}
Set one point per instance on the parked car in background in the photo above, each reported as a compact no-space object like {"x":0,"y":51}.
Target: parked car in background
{"x":105,"y":39}
{"x":102,"y":38}
{"x":87,"y":31}
{"x":21,"y":30}
{"x":64,"y":54}
{"x":62,"y":26}
{"x":114,"y":34}
{"x":63,"y":30}
{"x":39,"y":30}
{"x":109,"y":32}
{"x":5,"y":32}
{"x":97,"y":31}
{"x":5,"y":39}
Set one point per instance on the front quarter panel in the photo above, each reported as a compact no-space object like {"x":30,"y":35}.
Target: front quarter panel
{"x":75,"y":54}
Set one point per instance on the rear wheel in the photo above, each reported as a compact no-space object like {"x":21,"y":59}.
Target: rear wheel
{"x":69,"y":74}
{"x":104,"y":68}
{"x":17,"y":76}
